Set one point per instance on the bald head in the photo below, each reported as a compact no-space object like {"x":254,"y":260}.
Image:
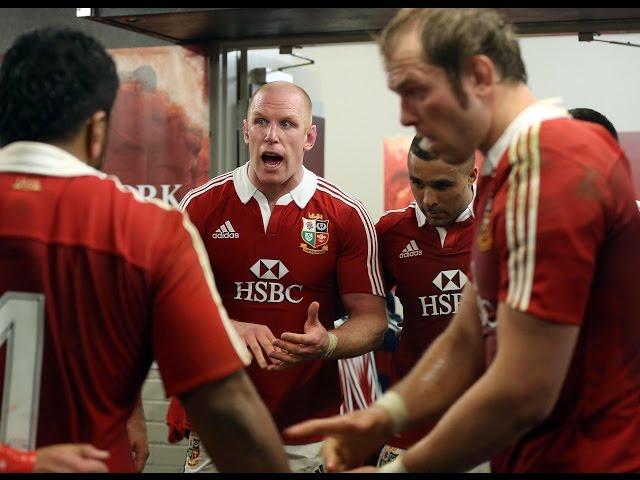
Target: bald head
{"x":281,"y":86}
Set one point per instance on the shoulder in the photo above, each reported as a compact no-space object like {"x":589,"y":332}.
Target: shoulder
{"x":330,"y":193}
{"x":124,"y":223}
{"x":348,"y":213}
{"x":215,"y":186}
{"x":568,"y":142}
{"x":135,"y":209}
{"x":564,"y":158}
{"x":392,"y":219}
{"x":571,"y":131}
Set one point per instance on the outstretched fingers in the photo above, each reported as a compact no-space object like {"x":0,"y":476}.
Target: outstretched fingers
{"x":89,"y":451}
{"x":321,"y":426}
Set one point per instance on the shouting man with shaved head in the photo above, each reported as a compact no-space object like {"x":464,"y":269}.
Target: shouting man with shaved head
{"x":291,"y":253}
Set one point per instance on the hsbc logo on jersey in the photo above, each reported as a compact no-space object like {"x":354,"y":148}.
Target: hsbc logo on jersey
{"x":268,"y":291}
{"x":269,"y":269}
{"x":445,"y":303}
{"x":450,"y":280}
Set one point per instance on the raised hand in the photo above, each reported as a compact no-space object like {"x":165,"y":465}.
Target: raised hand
{"x":66,"y":458}
{"x":259,"y":340}
{"x":293,"y":348}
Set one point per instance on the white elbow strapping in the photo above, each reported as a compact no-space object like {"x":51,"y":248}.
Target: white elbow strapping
{"x":393,"y":403}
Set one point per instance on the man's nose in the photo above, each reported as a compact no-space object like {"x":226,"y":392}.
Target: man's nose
{"x":407,"y":116}
{"x":272,"y":133}
{"x":429,"y":198}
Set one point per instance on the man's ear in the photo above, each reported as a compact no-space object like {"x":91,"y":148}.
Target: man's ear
{"x":97,"y":130}
{"x":245,"y":131}
{"x":310,"y":138}
{"x":482,"y":74}
{"x":473,"y":175}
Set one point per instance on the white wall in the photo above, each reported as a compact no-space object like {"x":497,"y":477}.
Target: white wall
{"x":164,"y":457}
{"x":349,"y":81}
{"x":597,"y":75}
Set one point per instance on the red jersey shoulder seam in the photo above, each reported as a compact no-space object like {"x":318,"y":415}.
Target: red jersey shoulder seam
{"x":391,"y":218}
{"x":204,"y":188}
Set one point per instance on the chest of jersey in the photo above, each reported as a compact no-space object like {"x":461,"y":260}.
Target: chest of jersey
{"x":428,"y":275}
{"x":294,"y":257}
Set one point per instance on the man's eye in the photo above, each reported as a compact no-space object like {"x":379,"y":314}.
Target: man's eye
{"x":411,"y":92}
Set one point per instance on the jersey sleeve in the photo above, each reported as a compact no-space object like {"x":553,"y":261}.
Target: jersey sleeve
{"x":191,"y":206}
{"x":382,"y":229}
{"x":554,"y":224}
{"x":193,"y":339}
{"x":358,"y":266}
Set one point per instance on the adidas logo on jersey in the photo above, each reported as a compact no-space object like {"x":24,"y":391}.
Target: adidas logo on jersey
{"x":225,"y":231}
{"x":411,"y":250}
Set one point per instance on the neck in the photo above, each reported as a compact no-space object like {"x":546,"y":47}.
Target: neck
{"x":274,"y":192}
{"x":509,"y":100}
{"x":75,"y":147}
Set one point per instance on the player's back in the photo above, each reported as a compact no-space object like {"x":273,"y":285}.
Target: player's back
{"x":86,"y":246}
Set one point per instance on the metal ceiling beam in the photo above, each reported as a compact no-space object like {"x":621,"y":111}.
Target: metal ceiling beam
{"x":262,"y":27}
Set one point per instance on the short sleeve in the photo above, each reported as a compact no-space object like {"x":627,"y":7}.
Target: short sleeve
{"x":358,"y":266}
{"x":193,"y":340}
{"x":191,"y":206}
{"x":387,"y":272}
{"x":554,"y":226}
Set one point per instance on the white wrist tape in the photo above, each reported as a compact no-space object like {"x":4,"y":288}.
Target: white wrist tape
{"x":393,"y":403}
{"x":393,"y":467}
{"x":333,"y":343}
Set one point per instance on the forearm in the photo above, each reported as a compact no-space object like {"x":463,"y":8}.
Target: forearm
{"x":518,"y":391}
{"x":360,"y":334}
{"x":452,"y":363}
{"x":448,"y":368}
{"x":235,"y":426}
{"x":485,"y":420}
{"x":137,"y":432}
{"x":137,"y":414}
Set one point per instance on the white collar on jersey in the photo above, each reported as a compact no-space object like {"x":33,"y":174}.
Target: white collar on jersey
{"x":546,"y":109}
{"x":43,"y":159}
{"x":466,"y":213}
{"x":301,"y":194}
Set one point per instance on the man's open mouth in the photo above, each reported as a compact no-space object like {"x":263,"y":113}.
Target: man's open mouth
{"x":272,"y":159}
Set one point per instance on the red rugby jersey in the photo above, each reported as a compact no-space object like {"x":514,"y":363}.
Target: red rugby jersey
{"x":428,"y":266}
{"x":557,"y":237}
{"x":105,"y":283}
{"x":317,"y":244}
